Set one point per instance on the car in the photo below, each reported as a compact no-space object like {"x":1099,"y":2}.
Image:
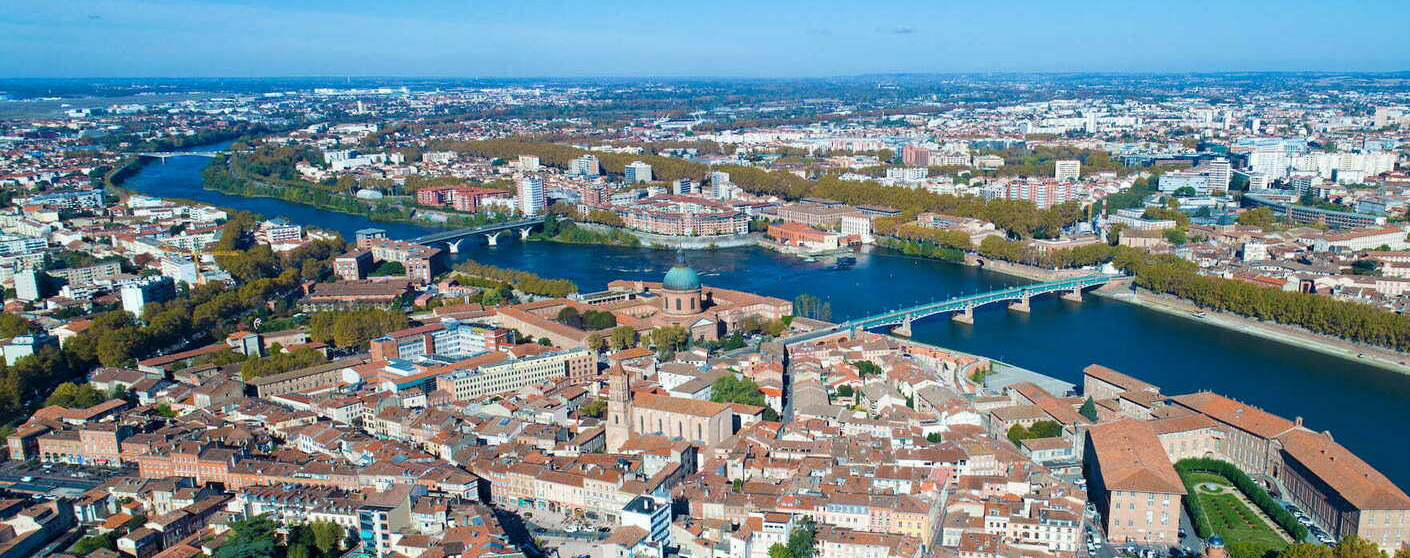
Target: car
{"x":570,"y":528}
{"x":1304,"y":520}
{"x":26,"y":479}
{"x":1181,"y":533}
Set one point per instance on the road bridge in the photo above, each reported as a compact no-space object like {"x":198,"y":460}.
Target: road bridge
{"x":961,"y":307}
{"x":452,"y":239}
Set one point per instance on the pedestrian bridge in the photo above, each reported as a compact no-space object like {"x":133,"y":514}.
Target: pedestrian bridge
{"x":452,"y":239}
{"x":962,"y":307}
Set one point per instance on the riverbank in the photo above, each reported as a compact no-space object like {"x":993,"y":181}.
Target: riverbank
{"x":1175,"y":306}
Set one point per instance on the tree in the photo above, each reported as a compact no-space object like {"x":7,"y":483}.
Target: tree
{"x":545,"y":341}
{"x":933,"y":437}
{"x":90,"y":543}
{"x":779,"y":551}
{"x":69,"y":394}
{"x":802,"y":542}
{"x":844,"y":390}
{"x":354,"y":328}
{"x":14,"y":324}
{"x":623,"y":337}
{"x":1175,"y":236}
{"x":568,"y":315}
{"x":729,"y":389}
{"x":1261,"y":217}
{"x":595,"y":408}
{"x":1250,"y":549}
{"x":669,"y":338}
{"x":595,"y":341}
{"x":1088,"y":409}
{"x":1306,"y":550}
{"x":1353,"y":546}
{"x":248,"y":538}
{"x":328,"y":537}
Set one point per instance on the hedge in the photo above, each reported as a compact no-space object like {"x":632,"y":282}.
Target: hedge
{"x":1251,"y":489}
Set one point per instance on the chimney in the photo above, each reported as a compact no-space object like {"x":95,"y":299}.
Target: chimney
{"x":1298,"y":421}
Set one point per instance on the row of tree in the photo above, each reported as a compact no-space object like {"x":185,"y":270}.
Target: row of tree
{"x":521,"y":280}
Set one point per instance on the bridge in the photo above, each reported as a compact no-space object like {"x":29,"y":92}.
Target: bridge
{"x":452,"y":239}
{"x":962,"y":307}
{"x":164,"y":154}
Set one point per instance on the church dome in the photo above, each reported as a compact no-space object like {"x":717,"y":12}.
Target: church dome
{"x":681,"y":278}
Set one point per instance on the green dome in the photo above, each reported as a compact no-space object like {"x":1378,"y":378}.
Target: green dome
{"x":681,"y":278}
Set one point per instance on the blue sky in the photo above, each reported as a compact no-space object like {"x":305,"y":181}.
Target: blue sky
{"x":760,"y":38}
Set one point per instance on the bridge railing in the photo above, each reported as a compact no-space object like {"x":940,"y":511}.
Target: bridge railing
{"x":959,"y":303}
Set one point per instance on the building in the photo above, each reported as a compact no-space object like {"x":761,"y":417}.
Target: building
{"x":29,"y":285}
{"x":137,"y":293}
{"x":586,"y":165}
{"x":514,"y":374}
{"x":181,"y":269}
{"x":1360,"y":240}
{"x":1043,"y":193}
{"x":531,"y":196}
{"x":421,"y":262}
{"x":1132,"y":483}
{"x":640,"y":414}
{"x":353,"y":265}
{"x":803,"y":236}
{"x":682,"y":216}
{"x":528,"y":163}
{"x":22,"y":346}
{"x":637,"y":173}
{"x":817,"y":215}
{"x":1067,"y":169}
{"x":684,"y":187}
{"x":448,"y":337}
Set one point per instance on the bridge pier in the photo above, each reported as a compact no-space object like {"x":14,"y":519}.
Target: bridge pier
{"x":903,"y":330}
{"x":493,"y":237}
{"x":454,"y":245}
{"x":1021,"y":305}
{"x":524,"y":233}
{"x":1075,"y":295}
{"x":965,"y":317}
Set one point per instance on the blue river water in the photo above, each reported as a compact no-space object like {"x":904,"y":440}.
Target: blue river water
{"x":1356,"y":402}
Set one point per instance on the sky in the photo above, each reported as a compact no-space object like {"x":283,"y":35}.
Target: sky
{"x":679,"y":38}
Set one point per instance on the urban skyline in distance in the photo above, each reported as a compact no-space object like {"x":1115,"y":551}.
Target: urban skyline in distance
{"x":262,"y":38}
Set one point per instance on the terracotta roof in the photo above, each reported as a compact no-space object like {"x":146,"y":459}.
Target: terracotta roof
{"x":1116,"y":378}
{"x":697,"y":407}
{"x":1131,"y":458}
{"x":1228,"y":411}
{"x":1356,"y":481}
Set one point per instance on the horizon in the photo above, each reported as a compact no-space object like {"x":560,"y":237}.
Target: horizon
{"x":729,"y":39}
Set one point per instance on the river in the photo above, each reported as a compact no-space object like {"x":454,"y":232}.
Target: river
{"x":1356,"y":402}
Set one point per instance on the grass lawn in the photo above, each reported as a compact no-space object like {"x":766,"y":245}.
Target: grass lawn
{"x":1231,"y":518}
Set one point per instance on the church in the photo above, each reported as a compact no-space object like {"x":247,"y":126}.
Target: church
{"x":681,"y":300}
{"x":697,"y":421}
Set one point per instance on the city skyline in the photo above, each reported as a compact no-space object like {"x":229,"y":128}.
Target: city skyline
{"x":724,"y":39}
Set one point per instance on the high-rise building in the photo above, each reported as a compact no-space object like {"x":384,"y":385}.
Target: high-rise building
{"x":587,"y":165}
{"x":27,"y":285}
{"x":719,"y":183}
{"x":1067,"y":169}
{"x":531,"y":196}
{"x":1220,"y":171}
{"x":638,"y":172}
{"x":528,"y":163}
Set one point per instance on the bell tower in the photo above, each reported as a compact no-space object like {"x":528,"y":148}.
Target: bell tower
{"x":619,"y":406}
